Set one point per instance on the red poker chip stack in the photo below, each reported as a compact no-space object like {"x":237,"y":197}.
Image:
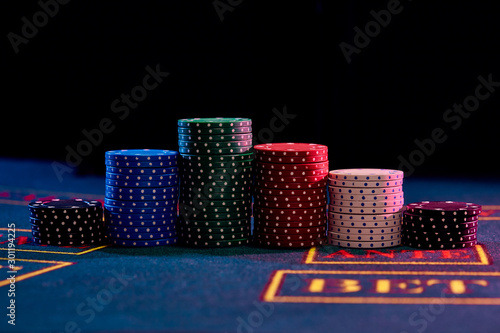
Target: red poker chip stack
{"x":290,"y":195}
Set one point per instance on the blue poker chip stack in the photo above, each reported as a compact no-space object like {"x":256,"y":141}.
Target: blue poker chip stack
{"x":140,"y":205}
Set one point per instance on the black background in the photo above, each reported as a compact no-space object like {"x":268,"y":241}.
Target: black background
{"x":264,"y":55}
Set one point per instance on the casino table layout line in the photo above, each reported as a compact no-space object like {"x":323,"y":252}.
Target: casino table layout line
{"x":480,"y":252}
{"x":270,"y":292}
{"x":58,"y":265}
{"x":58,"y":252}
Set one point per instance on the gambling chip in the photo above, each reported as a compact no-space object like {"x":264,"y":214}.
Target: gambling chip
{"x":365,"y":207}
{"x":440,"y":224}
{"x":216,"y":179}
{"x":66,"y":222}
{"x":290,"y":200}
{"x":141,"y":197}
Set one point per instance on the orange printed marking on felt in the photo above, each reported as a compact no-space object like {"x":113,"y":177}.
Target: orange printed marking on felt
{"x":326,"y":287}
{"x":473,"y":256}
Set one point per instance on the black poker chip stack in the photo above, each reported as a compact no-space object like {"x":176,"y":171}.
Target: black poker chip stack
{"x":440,"y":224}
{"x":68,"y":222}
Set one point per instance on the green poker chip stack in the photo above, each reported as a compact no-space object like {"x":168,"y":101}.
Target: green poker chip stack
{"x":216,"y":181}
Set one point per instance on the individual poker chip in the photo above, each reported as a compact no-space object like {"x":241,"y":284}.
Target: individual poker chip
{"x":293,"y":173}
{"x":290,"y":149}
{"x":290,"y":192}
{"x":212,"y":223}
{"x":361,"y":190}
{"x":215,"y":243}
{"x":214,"y":131}
{"x":140,"y":210}
{"x":140,"y":223}
{"x":444,"y":208}
{"x":437,"y":245}
{"x":221,"y":216}
{"x":204,"y":230}
{"x":139,"y":197}
{"x":364,"y":244}
{"x":141,"y":164}
{"x":289,"y":218}
{"x":290,"y":186}
{"x":366,"y":203}
{"x":138,"y":191}
{"x":366,"y":174}
{"x":298,"y":179}
{"x":140,"y":235}
{"x":215,"y":167}
{"x":215,"y":151}
{"x":428,"y":226}
{"x":281,"y":204}
{"x":215,"y":137}
{"x":290,"y":231}
{"x":214,"y":209}
{"x":141,"y":229}
{"x":140,"y":203}
{"x":289,"y":212}
{"x":292,"y":167}
{"x":364,"y":218}
{"x":189,"y":176}
{"x":142,"y":155}
{"x":66,"y":242}
{"x":288,"y":243}
{"x":299,"y":237}
{"x":91,"y":219}
{"x":214,"y":122}
{"x":365,"y":224}
{"x":292,"y":198}
{"x":450,"y":238}
{"x":144,"y":243}
{"x":141,"y":171}
{"x":126,"y":177}
{"x":208,"y":188}
{"x":214,"y":236}
{"x":118,"y":216}
{"x":364,"y":237}
{"x":64,"y":206}
{"x":216,"y":196}
{"x":295,"y":160}
{"x":435,"y":219}
{"x":218,"y":158}
{"x":365,"y":184}
{"x":220,"y":172}
{"x":216,"y":203}
{"x":290,"y":224}
{"x":367,"y":210}
{"x":367,"y":197}
{"x":441,"y":232}
{"x":39,"y":225}
{"x":67,"y":236}
{"x":214,"y":145}
{"x":173,"y":181}
{"x":364,"y":231}
{"x":66,"y":218}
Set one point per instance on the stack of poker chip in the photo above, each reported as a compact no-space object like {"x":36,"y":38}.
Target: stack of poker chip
{"x":72,"y":222}
{"x":365,"y":207}
{"x":141,"y":197}
{"x":216,"y":177}
{"x":290,"y":195}
{"x":440,"y":224}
